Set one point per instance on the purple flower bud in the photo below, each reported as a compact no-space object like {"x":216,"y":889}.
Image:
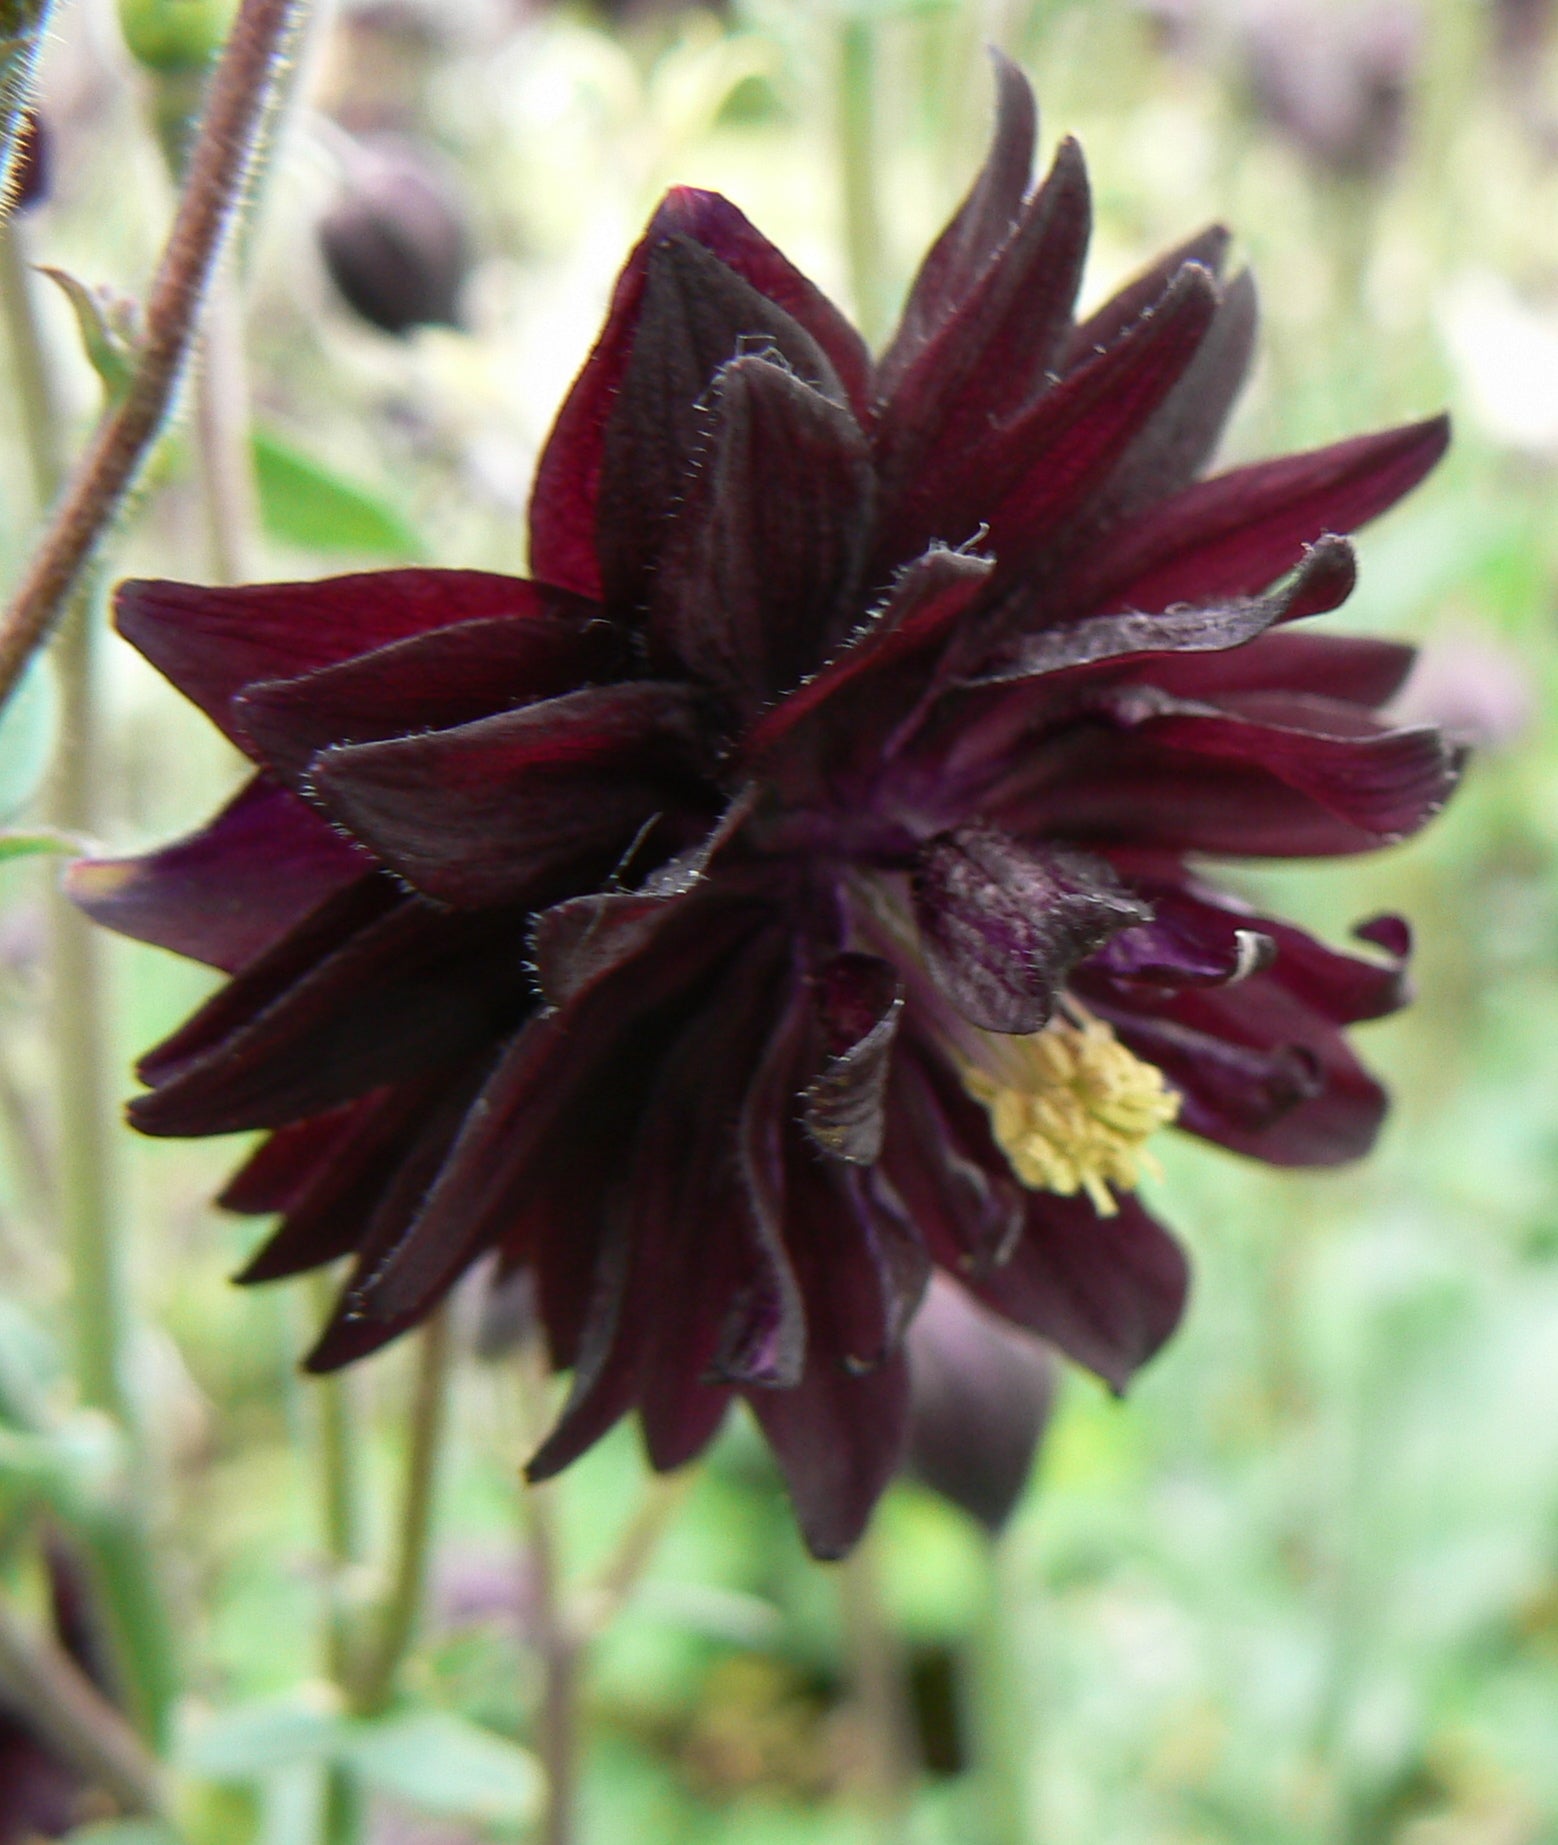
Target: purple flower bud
{"x":395,"y":240}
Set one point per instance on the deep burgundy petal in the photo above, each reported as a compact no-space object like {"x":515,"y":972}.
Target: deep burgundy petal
{"x":1002,"y":924}
{"x":858,"y":999}
{"x":213,"y":642}
{"x":980,"y":1397}
{"x":285,"y":1162}
{"x":523,"y":807}
{"x":1103,"y":327}
{"x":757,"y":581}
{"x":839,"y":1440}
{"x":994,"y":351}
{"x":1107,"y":1290}
{"x":563,"y":508}
{"x":400,"y":995}
{"x":431,"y":681}
{"x":1357,"y":669}
{"x":697,"y":316}
{"x":976,"y":232}
{"x":1236,"y":533}
{"x":228,"y":892}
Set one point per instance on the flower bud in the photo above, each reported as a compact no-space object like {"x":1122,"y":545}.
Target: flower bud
{"x":395,"y":241}
{"x":170,"y":37}
{"x":30,"y":164}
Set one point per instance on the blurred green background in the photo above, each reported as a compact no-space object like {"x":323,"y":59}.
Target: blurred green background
{"x":1303,"y":1584}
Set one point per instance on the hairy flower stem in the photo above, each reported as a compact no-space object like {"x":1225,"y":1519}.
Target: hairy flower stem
{"x":234,"y":117}
{"x":63,"y":1706}
{"x":857,"y":164}
{"x":875,"y":1666}
{"x":373,"y":1684}
{"x":85,"y":1188}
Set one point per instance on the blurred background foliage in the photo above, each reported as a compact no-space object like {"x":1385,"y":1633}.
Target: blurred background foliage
{"x":1303,"y":1585}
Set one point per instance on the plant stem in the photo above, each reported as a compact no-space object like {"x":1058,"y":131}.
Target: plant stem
{"x":222,"y":431}
{"x":37,"y":389}
{"x":42,"y":1682}
{"x":234,"y":116}
{"x":997,"y":1713}
{"x":559,"y":1646}
{"x":375,"y":1683}
{"x":876,"y":1673}
{"x":857,"y":164}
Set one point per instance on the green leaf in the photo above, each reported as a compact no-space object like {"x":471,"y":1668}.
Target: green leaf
{"x":255,"y":1740}
{"x":107,"y":326}
{"x":446,"y":1765}
{"x":305,"y":504}
{"x":27,"y":728}
{"x":38,"y":843}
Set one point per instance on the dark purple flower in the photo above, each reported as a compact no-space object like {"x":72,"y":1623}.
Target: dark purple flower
{"x":786,"y":892}
{"x":395,"y":238}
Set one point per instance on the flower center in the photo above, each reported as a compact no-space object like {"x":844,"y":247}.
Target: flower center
{"x":1073,"y":1109}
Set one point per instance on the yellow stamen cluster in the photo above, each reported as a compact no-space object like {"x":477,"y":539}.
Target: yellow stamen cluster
{"x":1078,"y":1111}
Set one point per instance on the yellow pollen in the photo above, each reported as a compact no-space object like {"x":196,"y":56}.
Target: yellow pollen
{"x":1078,"y":1113}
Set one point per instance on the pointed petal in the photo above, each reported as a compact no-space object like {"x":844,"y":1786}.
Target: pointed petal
{"x":977,"y":231}
{"x":1002,"y":924}
{"x":858,"y":999}
{"x":981,"y":1394}
{"x":521,"y":807}
{"x":1107,"y":1290}
{"x":431,"y":681}
{"x":1208,"y":248}
{"x":839,"y":1440}
{"x":228,"y":892}
{"x":1235,"y":534}
{"x":213,"y":642}
{"x":756,"y":583}
{"x":697,"y":316}
{"x":287,"y":1161}
{"x":564,"y":508}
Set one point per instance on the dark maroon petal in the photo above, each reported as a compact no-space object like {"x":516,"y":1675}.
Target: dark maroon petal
{"x":226,"y":893}
{"x":1041,"y":469}
{"x":42,"y":1798}
{"x":563,"y":508}
{"x":756,"y":582}
{"x":1002,"y":924}
{"x":1103,"y":327}
{"x":923,"y":612}
{"x":1235,"y":534}
{"x":980,"y":1397}
{"x":213,"y":642}
{"x":398,"y":996}
{"x":954,"y":1181}
{"x":1356,"y":669}
{"x":978,"y":229}
{"x":606,"y":1365}
{"x":1107,"y":1290}
{"x":1182,"y":436}
{"x":519,"y":807}
{"x":987,"y":359}
{"x":1187,"y":943}
{"x":1323,"y":581}
{"x":697,"y":316}
{"x":839,"y":1440}
{"x":287,"y":1161}
{"x":430,"y":682}
{"x":858,"y":999}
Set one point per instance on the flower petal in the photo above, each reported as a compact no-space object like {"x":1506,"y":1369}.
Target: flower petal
{"x":563,"y":508}
{"x":228,"y":892}
{"x":697,"y":316}
{"x":1208,"y":248}
{"x":430,"y":681}
{"x":522,"y":807}
{"x":858,"y":999}
{"x":213,"y":642}
{"x":756,"y":583}
{"x":1002,"y":924}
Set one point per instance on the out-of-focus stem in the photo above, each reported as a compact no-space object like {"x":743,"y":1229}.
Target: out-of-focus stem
{"x":375,"y":1682}
{"x":234,"y":116}
{"x":39,"y":1679}
{"x":222,"y":431}
{"x":560,"y":1648}
{"x":877,"y":1681}
{"x":857,"y":165}
{"x":998,"y":1714}
{"x":37,"y":393}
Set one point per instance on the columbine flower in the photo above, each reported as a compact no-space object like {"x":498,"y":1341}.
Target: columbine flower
{"x":785,"y":891}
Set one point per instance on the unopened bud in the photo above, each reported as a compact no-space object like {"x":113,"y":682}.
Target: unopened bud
{"x":30,"y":163}
{"x":171,"y":37}
{"x":395,"y":240}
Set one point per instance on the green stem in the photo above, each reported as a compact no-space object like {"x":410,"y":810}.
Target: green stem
{"x":877,"y":1682}
{"x":998,"y":1715}
{"x":222,"y":431}
{"x":374,"y":1684}
{"x":857,"y":164}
